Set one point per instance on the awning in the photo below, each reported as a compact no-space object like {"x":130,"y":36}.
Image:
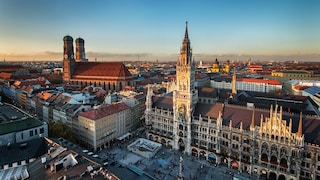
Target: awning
{"x":212,"y":156}
{"x":123,"y":136}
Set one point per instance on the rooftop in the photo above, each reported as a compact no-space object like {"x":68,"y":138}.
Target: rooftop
{"x":265,"y":81}
{"x":104,"y":110}
{"x":313,"y":90}
{"x":292,"y":71}
{"x":22,"y":151}
{"x":63,"y":162}
{"x":102,"y":69}
{"x":13,"y":120}
{"x":164,"y":102}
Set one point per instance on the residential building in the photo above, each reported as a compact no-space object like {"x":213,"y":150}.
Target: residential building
{"x":99,"y":127}
{"x":17,"y":126}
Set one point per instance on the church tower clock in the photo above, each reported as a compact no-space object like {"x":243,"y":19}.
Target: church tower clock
{"x":185,"y":97}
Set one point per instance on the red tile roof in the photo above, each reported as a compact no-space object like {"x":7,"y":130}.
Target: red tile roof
{"x":107,"y":69}
{"x":242,"y":114}
{"x":165,"y":102}
{"x":4,"y":75}
{"x":10,"y":68}
{"x":104,"y":110}
{"x":42,"y":83}
{"x":211,"y":110}
{"x":207,"y":92}
{"x":268,"y":81}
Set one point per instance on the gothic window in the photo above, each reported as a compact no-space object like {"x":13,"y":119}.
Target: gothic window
{"x":120,"y":86}
{"x":264,"y":147}
{"x":274,"y":148}
{"x":283,"y":151}
{"x":181,"y":134}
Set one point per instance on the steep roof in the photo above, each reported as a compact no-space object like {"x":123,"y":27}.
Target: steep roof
{"x":242,"y":114}
{"x":165,"y":102}
{"x":104,"y":110}
{"x":5,"y":75}
{"x":211,"y":110}
{"x":207,"y":92}
{"x":104,"y":69}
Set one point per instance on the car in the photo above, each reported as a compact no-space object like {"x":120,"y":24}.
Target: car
{"x":95,"y":156}
{"x":90,"y":153}
{"x":85,"y":151}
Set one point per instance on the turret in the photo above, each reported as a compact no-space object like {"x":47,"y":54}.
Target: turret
{"x":234,"y":82}
{"x":299,"y":133}
{"x":80,"y":51}
{"x":252,"y":121}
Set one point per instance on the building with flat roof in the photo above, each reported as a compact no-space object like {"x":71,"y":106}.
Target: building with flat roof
{"x":60,"y":162}
{"x":17,"y":126}
{"x":23,"y":153}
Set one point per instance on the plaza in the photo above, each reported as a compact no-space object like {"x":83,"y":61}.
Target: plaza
{"x":163,"y":165}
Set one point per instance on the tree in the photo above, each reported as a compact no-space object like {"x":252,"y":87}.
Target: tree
{"x":59,"y":129}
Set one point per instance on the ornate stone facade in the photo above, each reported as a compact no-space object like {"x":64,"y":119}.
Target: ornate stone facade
{"x":263,"y":143}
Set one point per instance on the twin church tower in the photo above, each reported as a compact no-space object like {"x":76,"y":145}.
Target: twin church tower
{"x":68,"y":55}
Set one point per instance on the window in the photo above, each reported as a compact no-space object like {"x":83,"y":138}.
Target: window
{"x":41,"y":130}
{"x":21,"y":135}
{"x":36,"y":131}
{"x":31,"y":133}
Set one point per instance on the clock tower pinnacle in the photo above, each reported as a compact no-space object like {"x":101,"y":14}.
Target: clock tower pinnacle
{"x":185,"y":97}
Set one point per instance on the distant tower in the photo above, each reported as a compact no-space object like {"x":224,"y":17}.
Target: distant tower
{"x":215,"y":67}
{"x":185,"y":97}
{"x":68,"y":58}
{"x":80,"y":52}
{"x":227,"y":67}
{"x":234,"y":82}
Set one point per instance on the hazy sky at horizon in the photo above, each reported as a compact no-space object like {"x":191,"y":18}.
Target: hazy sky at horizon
{"x":152,"y":29}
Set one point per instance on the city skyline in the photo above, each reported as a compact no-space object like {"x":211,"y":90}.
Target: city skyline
{"x":151,"y":30}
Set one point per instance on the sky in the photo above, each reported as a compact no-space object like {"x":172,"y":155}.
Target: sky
{"x":146,"y":30}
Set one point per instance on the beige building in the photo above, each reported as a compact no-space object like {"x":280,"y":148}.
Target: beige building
{"x":265,"y":144}
{"x":101,"y":126}
{"x":292,"y":74}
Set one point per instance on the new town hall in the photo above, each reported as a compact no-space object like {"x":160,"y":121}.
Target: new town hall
{"x":269,"y":143}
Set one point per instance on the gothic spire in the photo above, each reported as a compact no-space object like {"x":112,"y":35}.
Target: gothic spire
{"x":186,"y":36}
{"x":299,"y":133}
{"x":185,"y":51}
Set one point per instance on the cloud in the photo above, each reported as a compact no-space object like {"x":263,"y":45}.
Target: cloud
{"x":106,"y":54}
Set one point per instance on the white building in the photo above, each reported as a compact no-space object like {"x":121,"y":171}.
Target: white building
{"x":247,"y":84}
